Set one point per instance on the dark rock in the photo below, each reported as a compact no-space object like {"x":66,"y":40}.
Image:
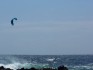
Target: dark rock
{"x":62,"y":68}
{"x":21,"y":69}
{"x":28,"y":69}
{"x":33,"y":68}
{"x":8,"y":69}
{"x":48,"y":69}
{"x":2,"y":68}
{"x":59,"y":68}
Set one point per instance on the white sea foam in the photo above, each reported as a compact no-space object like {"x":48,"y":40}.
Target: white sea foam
{"x":80,"y":67}
{"x":12,"y":66}
{"x":50,"y":59}
{"x":15,"y":66}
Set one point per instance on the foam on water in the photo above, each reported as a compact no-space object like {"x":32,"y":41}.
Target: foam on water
{"x":11,"y":66}
{"x":27,"y":61}
{"x":23,"y":65}
{"x":50,"y":59}
{"x":80,"y":67}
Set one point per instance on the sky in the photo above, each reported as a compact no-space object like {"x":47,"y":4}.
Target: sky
{"x":46,"y":27}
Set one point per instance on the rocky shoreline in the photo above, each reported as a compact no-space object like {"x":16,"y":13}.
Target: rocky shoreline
{"x":59,"y":68}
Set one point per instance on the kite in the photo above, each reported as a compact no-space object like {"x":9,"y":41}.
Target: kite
{"x":12,"y":21}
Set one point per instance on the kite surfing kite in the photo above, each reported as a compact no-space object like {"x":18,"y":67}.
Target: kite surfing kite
{"x":12,"y":21}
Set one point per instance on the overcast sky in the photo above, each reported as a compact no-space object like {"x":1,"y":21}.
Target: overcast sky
{"x":46,"y":27}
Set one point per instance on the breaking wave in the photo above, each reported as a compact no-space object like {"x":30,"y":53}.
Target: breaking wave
{"x":28,"y":61}
{"x":15,"y":66}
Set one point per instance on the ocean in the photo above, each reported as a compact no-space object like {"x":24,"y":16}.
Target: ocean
{"x":72,"y":62}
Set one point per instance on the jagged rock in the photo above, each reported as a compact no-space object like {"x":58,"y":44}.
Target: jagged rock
{"x":33,"y":68}
{"x":8,"y":69}
{"x":59,"y":68}
{"x":62,"y":68}
{"x":2,"y":68}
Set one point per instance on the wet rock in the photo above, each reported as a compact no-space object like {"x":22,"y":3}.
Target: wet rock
{"x":2,"y":68}
{"x":62,"y":68}
{"x":59,"y":68}
{"x":8,"y":69}
{"x":33,"y":68}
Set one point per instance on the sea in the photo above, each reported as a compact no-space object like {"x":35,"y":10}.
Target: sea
{"x":72,"y":62}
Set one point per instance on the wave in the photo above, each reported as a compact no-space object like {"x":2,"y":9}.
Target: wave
{"x":15,"y":66}
{"x":26,"y":61}
{"x":50,"y":59}
{"x":81,"y":67}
